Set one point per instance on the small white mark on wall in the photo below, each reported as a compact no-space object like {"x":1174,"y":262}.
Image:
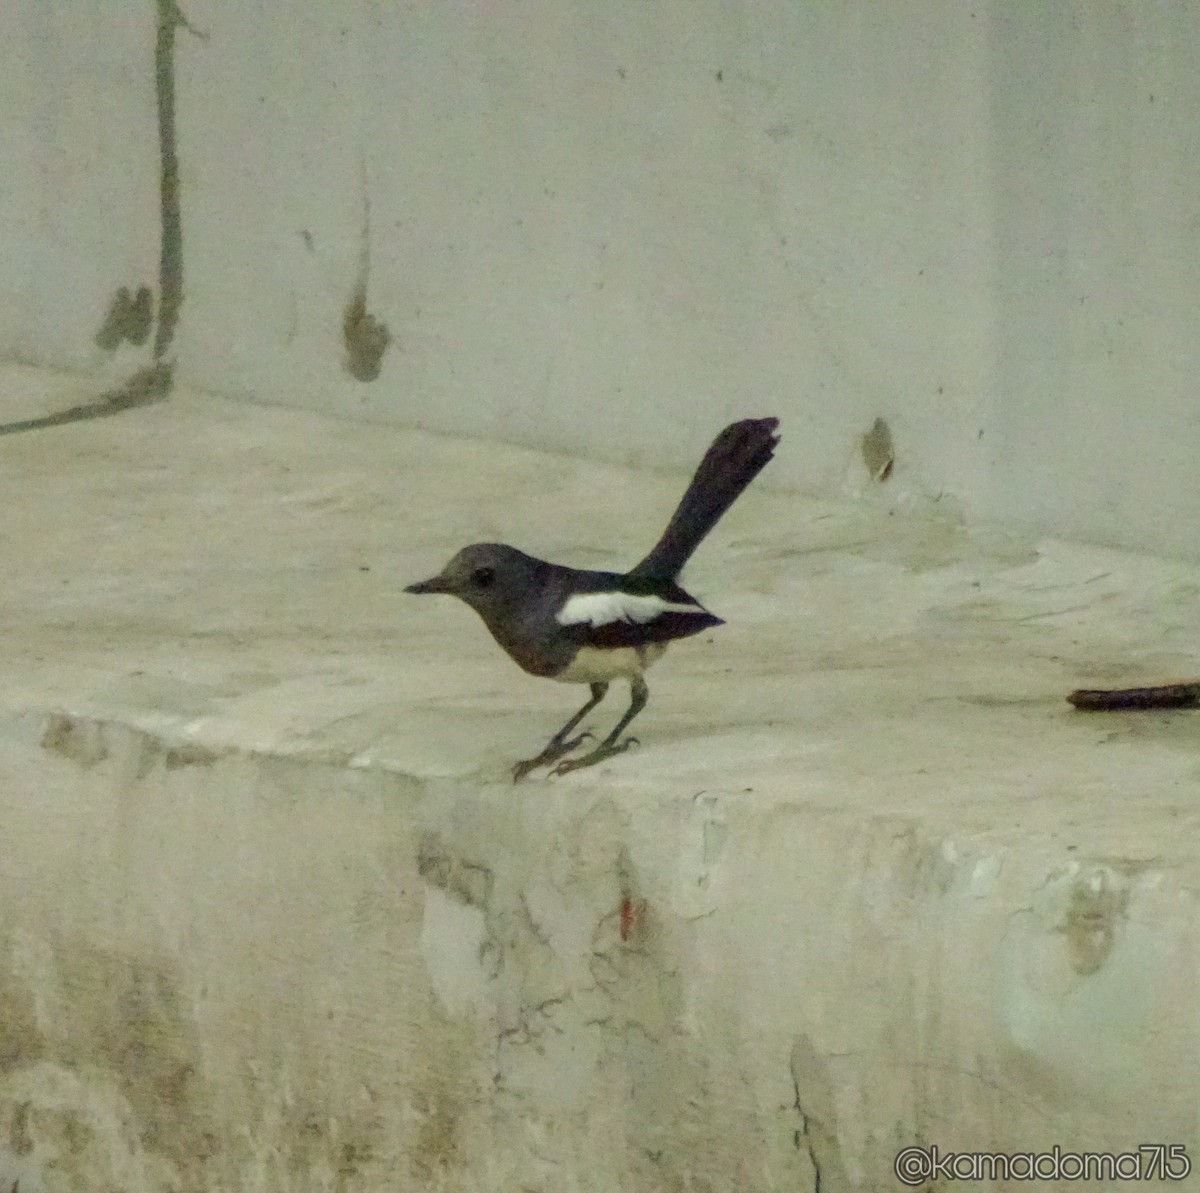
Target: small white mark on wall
{"x":452,"y":940}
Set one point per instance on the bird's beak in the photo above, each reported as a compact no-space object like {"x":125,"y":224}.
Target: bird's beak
{"x":434,"y":584}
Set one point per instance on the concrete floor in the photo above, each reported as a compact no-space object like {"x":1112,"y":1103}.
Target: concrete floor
{"x":867,"y":882}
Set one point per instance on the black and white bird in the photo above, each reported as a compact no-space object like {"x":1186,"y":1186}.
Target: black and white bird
{"x":593,"y":627}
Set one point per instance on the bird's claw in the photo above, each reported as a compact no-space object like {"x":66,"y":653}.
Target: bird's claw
{"x":552,"y":753}
{"x":599,"y":754}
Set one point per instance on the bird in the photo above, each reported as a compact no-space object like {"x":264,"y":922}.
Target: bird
{"x":593,"y":627}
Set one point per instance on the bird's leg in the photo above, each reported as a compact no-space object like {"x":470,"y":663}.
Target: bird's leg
{"x":611,"y":744}
{"x":560,"y":743}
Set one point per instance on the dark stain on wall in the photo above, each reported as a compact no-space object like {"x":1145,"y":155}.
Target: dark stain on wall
{"x":878,"y":450}
{"x":21,"y":1042}
{"x":1091,"y":923}
{"x":80,"y":741}
{"x":367,"y":338}
{"x":117,"y":1023}
{"x":189,"y":754}
{"x":129,"y":318}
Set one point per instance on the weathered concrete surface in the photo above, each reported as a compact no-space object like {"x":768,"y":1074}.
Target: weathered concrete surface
{"x":583,"y":226}
{"x":272,"y":918}
{"x":79,"y":202}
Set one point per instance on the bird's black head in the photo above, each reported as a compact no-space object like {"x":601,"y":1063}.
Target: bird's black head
{"x":490,"y":577}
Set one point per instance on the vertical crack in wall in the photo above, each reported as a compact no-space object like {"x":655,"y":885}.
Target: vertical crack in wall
{"x":170,"y":260}
{"x":804,"y":1141}
{"x":816,"y":1138}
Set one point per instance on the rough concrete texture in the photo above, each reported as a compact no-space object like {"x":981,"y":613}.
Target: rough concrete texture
{"x":581,"y":226}
{"x":272,"y":918}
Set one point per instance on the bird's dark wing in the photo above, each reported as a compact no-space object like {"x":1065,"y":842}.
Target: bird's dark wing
{"x":613,"y":617}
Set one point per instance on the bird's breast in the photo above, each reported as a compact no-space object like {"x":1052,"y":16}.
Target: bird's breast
{"x":593,"y":664}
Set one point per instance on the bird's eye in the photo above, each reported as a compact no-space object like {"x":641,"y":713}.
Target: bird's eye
{"x":483,"y":577}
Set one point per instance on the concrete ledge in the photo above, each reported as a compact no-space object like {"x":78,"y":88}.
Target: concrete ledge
{"x":272,"y":918}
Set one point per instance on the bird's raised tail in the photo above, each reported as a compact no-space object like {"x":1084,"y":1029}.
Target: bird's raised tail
{"x":737,"y":455}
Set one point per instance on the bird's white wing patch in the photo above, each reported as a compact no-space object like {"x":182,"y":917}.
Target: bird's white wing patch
{"x":603,"y":608}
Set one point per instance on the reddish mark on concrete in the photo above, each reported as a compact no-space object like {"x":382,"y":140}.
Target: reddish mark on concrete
{"x":632,"y":911}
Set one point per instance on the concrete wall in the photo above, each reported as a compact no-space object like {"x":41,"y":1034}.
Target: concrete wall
{"x":276,"y":976}
{"x":607,"y":228}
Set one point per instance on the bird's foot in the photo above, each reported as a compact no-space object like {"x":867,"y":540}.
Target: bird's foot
{"x":554,"y":750}
{"x":599,"y":754}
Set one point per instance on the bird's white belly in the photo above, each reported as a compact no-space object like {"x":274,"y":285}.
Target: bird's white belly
{"x":592,"y":665}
